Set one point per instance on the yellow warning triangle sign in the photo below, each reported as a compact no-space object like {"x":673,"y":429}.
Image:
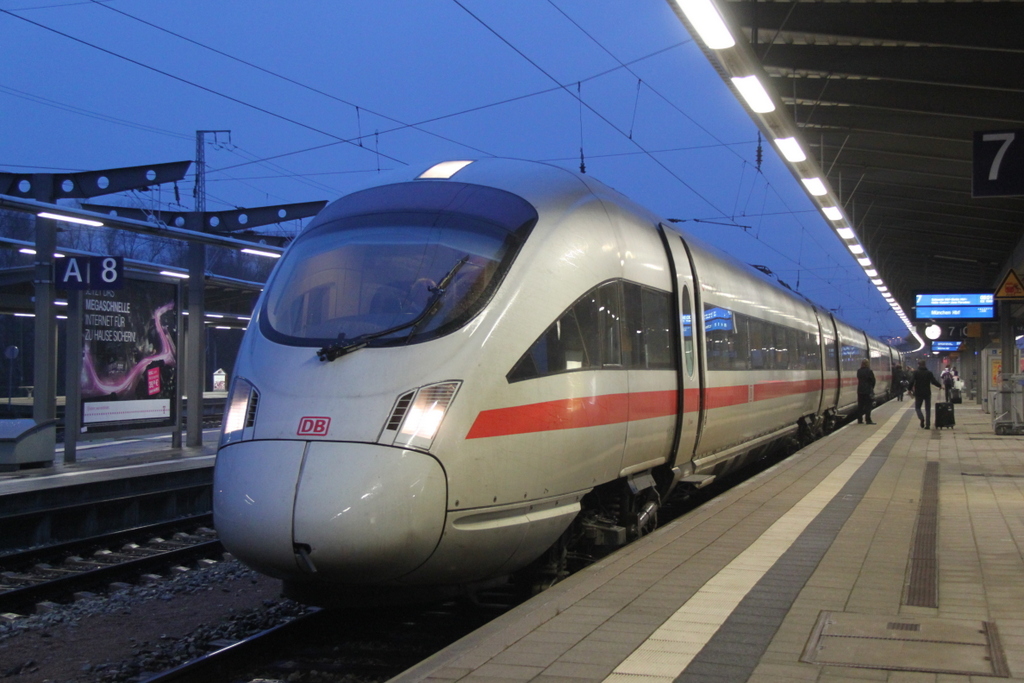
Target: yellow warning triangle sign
{"x":1011,"y":288}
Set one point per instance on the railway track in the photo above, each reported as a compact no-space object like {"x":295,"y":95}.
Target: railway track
{"x":365,"y":645}
{"x":55,"y":573}
{"x":340,"y":645}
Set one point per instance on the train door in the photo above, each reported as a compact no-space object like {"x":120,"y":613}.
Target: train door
{"x":824,"y":396}
{"x":691,"y":329}
{"x":830,"y":342}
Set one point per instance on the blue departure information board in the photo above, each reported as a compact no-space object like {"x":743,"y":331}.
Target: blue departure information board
{"x":946,"y":346}
{"x":955,"y":306}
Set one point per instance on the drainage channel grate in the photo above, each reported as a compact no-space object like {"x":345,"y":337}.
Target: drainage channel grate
{"x":992,"y":474}
{"x":950,"y":646}
{"x":922,"y":588}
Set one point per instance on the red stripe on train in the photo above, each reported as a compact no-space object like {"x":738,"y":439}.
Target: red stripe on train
{"x":594,"y":411}
{"x":569,"y":413}
{"x":766,"y":390}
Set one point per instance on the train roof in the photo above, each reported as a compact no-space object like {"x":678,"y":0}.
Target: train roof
{"x":550,"y":187}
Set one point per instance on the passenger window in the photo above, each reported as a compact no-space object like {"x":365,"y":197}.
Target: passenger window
{"x":759,"y":345}
{"x":609,"y":316}
{"x":828,"y":351}
{"x":727,"y":339}
{"x":687,"y":324}
{"x":657,"y":331}
{"x":618,"y":324}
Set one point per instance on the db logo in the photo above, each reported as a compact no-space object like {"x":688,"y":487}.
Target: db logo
{"x":314,"y":426}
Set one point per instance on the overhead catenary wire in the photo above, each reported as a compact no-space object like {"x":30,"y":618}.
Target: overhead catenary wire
{"x":190,"y":83}
{"x":631,"y":131}
{"x":45,"y":101}
{"x":292,"y":81}
{"x":626,"y":65}
{"x":63,"y":106}
{"x":589,"y":107}
{"x":768,"y":184}
{"x":482,"y":107}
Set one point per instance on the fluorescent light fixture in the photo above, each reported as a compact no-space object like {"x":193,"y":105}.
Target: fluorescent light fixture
{"x":864,"y":261}
{"x":855,"y":248}
{"x":24,"y":315}
{"x":707,"y":22}
{"x":32,"y":252}
{"x":871,"y":272}
{"x":832,"y":213}
{"x":171,"y":273}
{"x":814,"y":186}
{"x":214,"y":315}
{"x":846,"y":233}
{"x":60,"y":302}
{"x":790,"y":149}
{"x":70,"y":219}
{"x":222,"y":327}
{"x":257,"y":252}
{"x":754,"y":93}
{"x":876,"y":281}
{"x":883,"y":289}
{"x":445,"y":169}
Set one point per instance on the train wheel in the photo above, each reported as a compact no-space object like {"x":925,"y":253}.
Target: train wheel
{"x":546,"y":570}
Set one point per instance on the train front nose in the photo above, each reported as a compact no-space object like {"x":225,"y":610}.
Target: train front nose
{"x":348,"y":512}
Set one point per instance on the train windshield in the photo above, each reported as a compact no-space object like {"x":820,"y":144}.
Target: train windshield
{"x":406,"y":273}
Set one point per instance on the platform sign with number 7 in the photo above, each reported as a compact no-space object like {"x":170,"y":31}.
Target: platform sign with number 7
{"x":998,"y":163}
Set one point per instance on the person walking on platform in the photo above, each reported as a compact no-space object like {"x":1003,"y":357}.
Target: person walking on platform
{"x":865,"y":392}
{"x":947,"y":383}
{"x":921,"y":386}
{"x":898,"y":382}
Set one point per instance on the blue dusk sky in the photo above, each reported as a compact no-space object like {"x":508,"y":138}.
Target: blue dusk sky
{"x":320,"y":97}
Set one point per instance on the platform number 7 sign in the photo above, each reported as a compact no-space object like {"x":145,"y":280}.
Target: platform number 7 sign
{"x":998,"y":169}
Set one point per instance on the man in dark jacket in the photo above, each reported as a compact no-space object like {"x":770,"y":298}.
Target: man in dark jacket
{"x":921,"y":385}
{"x":865,"y":392}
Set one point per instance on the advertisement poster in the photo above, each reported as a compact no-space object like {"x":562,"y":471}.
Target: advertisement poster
{"x":129,"y":356}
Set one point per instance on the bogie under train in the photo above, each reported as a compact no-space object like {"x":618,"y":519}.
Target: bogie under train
{"x":451,"y":376}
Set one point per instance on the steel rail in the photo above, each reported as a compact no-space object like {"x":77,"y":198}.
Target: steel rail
{"x":215,"y":666}
{"x":17,"y":598}
{"x":24,"y":558}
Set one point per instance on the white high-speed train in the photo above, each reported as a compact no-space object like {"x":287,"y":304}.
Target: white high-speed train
{"x":477,"y":369}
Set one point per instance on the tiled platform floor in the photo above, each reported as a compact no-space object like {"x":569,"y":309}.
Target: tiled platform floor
{"x":736,"y":590}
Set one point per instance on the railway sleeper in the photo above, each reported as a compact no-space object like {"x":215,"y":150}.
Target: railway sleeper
{"x":76,"y":561}
{"x":22,"y":578}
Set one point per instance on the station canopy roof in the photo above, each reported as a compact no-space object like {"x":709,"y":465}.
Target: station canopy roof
{"x":888,"y":97}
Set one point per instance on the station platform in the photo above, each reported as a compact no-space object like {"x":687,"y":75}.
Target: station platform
{"x":882,"y":552}
{"x":111,"y":459}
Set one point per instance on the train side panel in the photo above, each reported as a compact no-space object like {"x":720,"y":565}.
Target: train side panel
{"x":761,"y":357}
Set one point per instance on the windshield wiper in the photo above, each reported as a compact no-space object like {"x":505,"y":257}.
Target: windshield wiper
{"x":342,"y":346}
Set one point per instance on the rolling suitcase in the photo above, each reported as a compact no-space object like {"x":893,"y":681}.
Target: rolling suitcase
{"x":955,"y":396}
{"x":944,"y":415}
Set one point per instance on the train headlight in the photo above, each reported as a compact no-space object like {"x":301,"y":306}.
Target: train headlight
{"x":239,"y":412}
{"x":417,"y":415}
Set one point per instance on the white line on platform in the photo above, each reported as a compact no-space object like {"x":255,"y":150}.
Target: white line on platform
{"x":673,"y":646}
